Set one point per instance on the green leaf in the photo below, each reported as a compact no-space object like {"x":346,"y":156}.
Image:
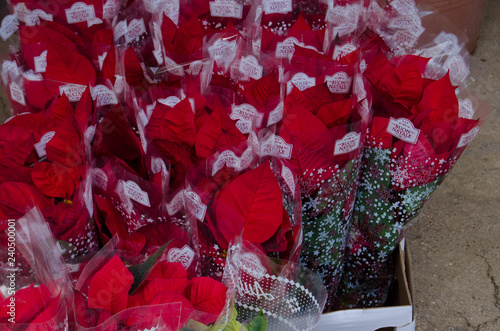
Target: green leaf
{"x":233,"y":324}
{"x":193,"y":325}
{"x":141,"y":271}
{"x":259,"y":323}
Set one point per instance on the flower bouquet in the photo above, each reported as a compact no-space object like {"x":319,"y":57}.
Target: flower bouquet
{"x":113,"y":293}
{"x":37,"y":300}
{"x":420,"y":128}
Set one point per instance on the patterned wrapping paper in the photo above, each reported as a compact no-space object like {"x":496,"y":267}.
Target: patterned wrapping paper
{"x":413,"y":144}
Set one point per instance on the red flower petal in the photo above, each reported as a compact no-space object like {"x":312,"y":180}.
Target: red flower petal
{"x":54,"y":181}
{"x":174,"y":316}
{"x":115,"y":138}
{"x":308,"y":135}
{"x":250,"y":205}
{"x":218,"y":131}
{"x":64,"y":67}
{"x":109,"y":287}
{"x":15,"y":197}
{"x":168,"y":270}
{"x":263,"y":90}
{"x":185,"y":40}
{"x":64,"y":149}
{"x":37,"y":39}
{"x":335,"y":114}
{"x":155,"y":286}
{"x":16,"y":145}
{"x":206,"y":294}
{"x":45,"y":316}
{"x":439,"y":97}
{"x":30,"y":302}
{"x":59,"y":109}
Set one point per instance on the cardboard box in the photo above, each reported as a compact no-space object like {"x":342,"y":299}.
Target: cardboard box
{"x":465,"y":16}
{"x":397,"y":316}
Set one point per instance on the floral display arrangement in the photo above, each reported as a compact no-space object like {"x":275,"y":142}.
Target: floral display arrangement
{"x":218,"y":164}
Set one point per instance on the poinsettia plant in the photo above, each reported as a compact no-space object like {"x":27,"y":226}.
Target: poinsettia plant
{"x":153,"y":293}
{"x":325,"y":119}
{"x":235,"y":194}
{"x":419,"y":130}
{"x":34,"y":300}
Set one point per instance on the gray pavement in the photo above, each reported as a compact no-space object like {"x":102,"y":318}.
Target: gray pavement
{"x":455,"y":245}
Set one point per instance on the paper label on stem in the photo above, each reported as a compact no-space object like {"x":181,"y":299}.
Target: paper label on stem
{"x":344,"y":29}
{"x":281,"y":148}
{"x":33,"y":18}
{"x":276,"y":146}
{"x":250,"y":66}
{"x":195,"y":68}
{"x":226,"y":158}
{"x":276,"y":115}
{"x":410,"y":23}
{"x":20,"y":11}
{"x":349,"y":143}
{"x":173,"y":67}
{"x":341,"y":51}
{"x":256,"y":46}
{"x":89,"y":134}
{"x":246,"y":158}
{"x":120,"y":29}
{"x":363,"y":108}
{"x":74,"y":92}
{"x":8,"y":26}
{"x":158,"y":165}
{"x":194,"y":205}
{"x":404,"y":7}
{"x":17,"y":94}
{"x":176,"y":204}
{"x":403,"y":128}
{"x":42,"y":144}
{"x":30,"y":75}
{"x":134,"y":192}
{"x":223,"y":52}
{"x":41,"y":62}
{"x":246,"y":112}
{"x":171,"y":9}
{"x":458,"y":69}
{"x":340,"y":82}
{"x":101,"y":59}
{"x":87,"y":196}
{"x":235,"y":72}
{"x":251,"y":264}
{"x":100,"y":179}
{"x":171,"y":101}
{"x":466,"y":109}
{"x":9,"y":69}
{"x":301,"y":81}
{"x":184,"y":256}
{"x":104,"y":96}
{"x":359,"y":87}
{"x":79,"y":12}
{"x":405,"y":38}
{"x":289,"y":179}
{"x":467,"y":138}
{"x":119,"y":84}
{"x":245,"y":126}
{"x":110,"y":9}
{"x":135,"y":29}
{"x":94,"y":21}
{"x":226,"y":8}
{"x":286,"y":48}
{"x":277,"y":6}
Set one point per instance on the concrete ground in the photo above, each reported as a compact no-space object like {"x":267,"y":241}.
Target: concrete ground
{"x":455,"y":245}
